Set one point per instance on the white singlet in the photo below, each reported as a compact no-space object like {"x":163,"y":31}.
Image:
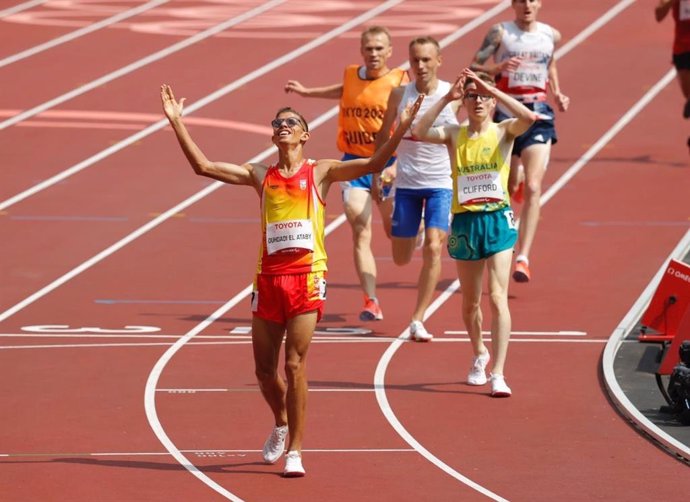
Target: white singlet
{"x":536,"y":50}
{"x":422,"y":164}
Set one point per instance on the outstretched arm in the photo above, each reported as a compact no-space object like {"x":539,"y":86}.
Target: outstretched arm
{"x":336,"y":170}
{"x":334,"y":91}
{"x":221,"y":171}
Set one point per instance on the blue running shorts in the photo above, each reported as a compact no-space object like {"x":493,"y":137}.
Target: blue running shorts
{"x":363,"y":182}
{"x":541,"y":132}
{"x":479,"y":235}
{"x":409,"y":205}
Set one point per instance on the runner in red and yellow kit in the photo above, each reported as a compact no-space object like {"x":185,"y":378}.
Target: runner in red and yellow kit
{"x":363,"y":96}
{"x":290,"y":280}
{"x":681,"y":43}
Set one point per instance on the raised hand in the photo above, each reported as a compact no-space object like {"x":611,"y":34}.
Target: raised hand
{"x":171,"y":107}
{"x":410,"y":111}
{"x":457,"y":91}
{"x":294,"y":86}
{"x":481,"y":85}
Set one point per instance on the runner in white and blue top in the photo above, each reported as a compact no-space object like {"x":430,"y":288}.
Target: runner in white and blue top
{"x":423,"y":186}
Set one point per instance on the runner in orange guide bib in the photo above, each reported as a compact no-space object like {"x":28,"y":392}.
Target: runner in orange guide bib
{"x":363,"y":95}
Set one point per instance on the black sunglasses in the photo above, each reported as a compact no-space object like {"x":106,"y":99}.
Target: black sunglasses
{"x":474,"y":96}
{"x":290,"y":121}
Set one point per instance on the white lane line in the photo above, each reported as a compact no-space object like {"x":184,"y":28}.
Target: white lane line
{"x":384,"y":405}
{"x":596,"y":25}
{"x":525,"y":333}
{"x":140,"y":63}
{"x":80,"y":32}
{"x":256,"y":389}
{"x":202,"y":453}
{"x":614,"y":343}
{"x":530,"y":340}
{"x":608,"y":136}
{"x":21,"y":7}
{"x":338,"y":336}
{"x":327,"y":341}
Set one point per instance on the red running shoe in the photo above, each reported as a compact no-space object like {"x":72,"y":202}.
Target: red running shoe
{"x":521,"y":273}
{"x":519,"y":194}
{"x":371,"y":311}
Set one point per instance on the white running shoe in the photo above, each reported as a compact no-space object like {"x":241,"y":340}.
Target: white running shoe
{"x":477,"y":374}
{"x":293,"y":465}
{"x":499,"y":387}
{"x":418,"y":333}
{"x":275,"y":444}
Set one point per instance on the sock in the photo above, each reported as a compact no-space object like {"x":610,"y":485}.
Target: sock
{"x":522,"y":258}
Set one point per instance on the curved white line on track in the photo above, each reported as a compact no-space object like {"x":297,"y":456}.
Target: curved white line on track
{"x":80,"y":32}
{"x":625,"y":406}
{"x":140,"y":63}
{"x":21,"y":7}
{"x":380,"y":387}
{"x":157,"y":371}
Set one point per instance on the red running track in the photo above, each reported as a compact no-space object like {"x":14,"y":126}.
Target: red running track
{"x":103,"y":272}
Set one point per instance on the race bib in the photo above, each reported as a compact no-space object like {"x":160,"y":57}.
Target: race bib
{"x":289,"y":234}
{"x":480,"y":188}
{"x":684,"y":11}
{"x":321,"y":287}
{"x":528,"y":74}
{"x":510,"y":219}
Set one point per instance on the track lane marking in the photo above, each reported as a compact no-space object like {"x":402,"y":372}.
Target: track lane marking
{"x":68,"y":37}
{"x":21,"y":7}
{"x":248,"y":342}
{"x":200,"y":452}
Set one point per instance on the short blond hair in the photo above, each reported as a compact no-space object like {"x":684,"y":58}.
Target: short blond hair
{"x":428,"y":39}
{"x":375,"y":30}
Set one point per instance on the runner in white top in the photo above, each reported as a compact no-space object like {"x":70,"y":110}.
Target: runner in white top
{"x":524,"y":66}
{"x":423,"y":186}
